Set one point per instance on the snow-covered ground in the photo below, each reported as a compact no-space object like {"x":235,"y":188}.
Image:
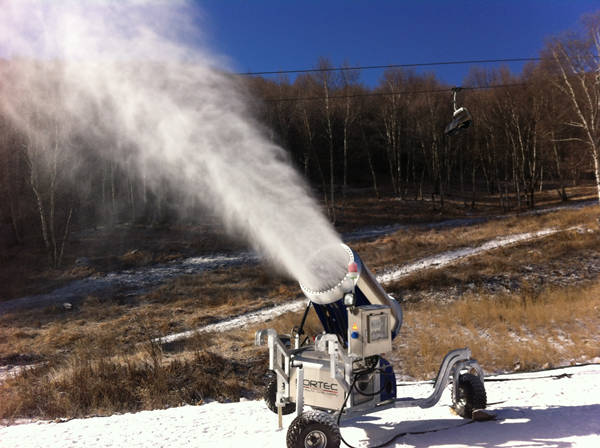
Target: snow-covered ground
{"x":557,"y":408}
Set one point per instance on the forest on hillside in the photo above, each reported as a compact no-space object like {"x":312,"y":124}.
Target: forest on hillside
{"x":532,"y":131}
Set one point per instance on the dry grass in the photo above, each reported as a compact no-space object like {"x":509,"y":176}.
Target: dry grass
{"x":363,"y":210}
{"x":543,"y":260}
{"x":90,"y":383}
{"x":284,"y":324}
{"x":94,"y":365}
{"x":25,"y":268}
{"x":182,"y":304}
{"x":529,"y":330}
{"x":190,"y":301}
{"x":415,"y":243}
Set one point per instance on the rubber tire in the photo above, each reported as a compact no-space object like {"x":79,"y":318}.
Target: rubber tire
{"x":471,"y":395}
{"x":310,"y":421}
{"x":270,"y":395}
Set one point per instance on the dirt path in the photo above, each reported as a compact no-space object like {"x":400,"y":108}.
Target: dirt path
{"x":128,"y":282}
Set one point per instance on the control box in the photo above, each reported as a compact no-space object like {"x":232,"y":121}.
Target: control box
{"x":369,"y":331}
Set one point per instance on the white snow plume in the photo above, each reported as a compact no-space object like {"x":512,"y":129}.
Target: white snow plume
{"x":130,"y":80}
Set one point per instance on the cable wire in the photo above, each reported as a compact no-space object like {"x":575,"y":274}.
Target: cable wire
{"x":372,"y":67}
{"x":375,"y":94}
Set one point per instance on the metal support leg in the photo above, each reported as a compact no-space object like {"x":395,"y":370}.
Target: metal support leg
{"x":300,"y":391}
{"x":459,"y":357}
{"x":280,"y":415}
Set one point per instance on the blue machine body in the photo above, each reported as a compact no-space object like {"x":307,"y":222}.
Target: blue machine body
{"x":387,"y":380}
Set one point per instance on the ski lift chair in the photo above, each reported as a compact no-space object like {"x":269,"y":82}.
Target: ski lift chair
{"x":461,"y":118}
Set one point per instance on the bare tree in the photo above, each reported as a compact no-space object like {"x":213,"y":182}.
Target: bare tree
{"x":45,"y":166}
{"x":365,"y":122}
{"x":391,"y":118}
{"x":305,"y":113}
{"x":578,"y":64}
{"x":11,"y":173}
{"x":47,"y":152}
{"x":327,"y":81}
{"x":349,"y":79}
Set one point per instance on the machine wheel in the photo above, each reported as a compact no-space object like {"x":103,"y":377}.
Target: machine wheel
{"x":270,"y":395}
{"x":313,"y":429}
{"x":470,"y":395}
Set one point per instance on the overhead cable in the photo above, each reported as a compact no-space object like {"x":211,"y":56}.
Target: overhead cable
{"x":390,"y":93}
{"x":372,"y":67}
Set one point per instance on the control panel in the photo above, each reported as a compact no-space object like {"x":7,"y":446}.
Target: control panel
{"x":369,"y":331}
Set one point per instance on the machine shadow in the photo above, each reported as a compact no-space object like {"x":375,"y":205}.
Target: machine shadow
{"x":536,"y":427}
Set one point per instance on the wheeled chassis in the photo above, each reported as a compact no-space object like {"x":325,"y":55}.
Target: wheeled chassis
{"x":282,"y":359}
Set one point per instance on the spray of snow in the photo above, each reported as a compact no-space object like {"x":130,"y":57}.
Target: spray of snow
{"x":130,"y":81}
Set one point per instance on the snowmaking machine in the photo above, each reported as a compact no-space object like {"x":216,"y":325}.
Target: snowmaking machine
{"x":342,"y":373}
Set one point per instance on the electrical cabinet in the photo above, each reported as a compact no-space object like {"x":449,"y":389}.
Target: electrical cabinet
{"x":369,"y":331}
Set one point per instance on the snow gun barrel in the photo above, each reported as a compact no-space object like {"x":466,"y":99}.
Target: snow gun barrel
{"x":356,"y":288}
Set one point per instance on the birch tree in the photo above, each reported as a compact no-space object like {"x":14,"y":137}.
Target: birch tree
{"x":577,"y":62}
{"x":349,"y":79}
{"x":305,"y":114}
{"x":47,"y":151}
{"x":391,"y":119}
{"x":327,"y":81}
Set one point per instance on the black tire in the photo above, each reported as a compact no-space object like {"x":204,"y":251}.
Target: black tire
{"x":313,"y":429}
{"x":270,"y":395}
{"x":470,"y":395}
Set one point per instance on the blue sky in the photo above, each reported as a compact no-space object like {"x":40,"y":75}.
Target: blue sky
{"x":260,"y":35}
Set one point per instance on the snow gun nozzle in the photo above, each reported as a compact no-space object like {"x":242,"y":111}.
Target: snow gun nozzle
{"x":352,"y":278}
{"x":338,"y":267}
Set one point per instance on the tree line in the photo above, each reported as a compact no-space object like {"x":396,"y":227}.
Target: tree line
{"x":534,"y":130}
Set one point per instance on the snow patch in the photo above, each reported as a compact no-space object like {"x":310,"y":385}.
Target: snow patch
{"x":441,"y":260}
{"x":239,"y":321}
